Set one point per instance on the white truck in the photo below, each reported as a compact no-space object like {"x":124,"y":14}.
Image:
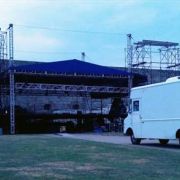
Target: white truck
{"x":154,"y":112}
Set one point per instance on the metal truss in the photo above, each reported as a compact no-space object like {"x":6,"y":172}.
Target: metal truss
{"x":142,"y":61}
{"x":3,"y":62}
{"x":6,"y":43}
{"x":169,"y":58}
{"x":11,"y":81}
{"x":69,"y":88}
{"x":163,"y":56}
{"x":3,"y":51}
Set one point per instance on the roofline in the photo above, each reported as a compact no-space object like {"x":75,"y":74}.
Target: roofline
{"x":154,"y":85}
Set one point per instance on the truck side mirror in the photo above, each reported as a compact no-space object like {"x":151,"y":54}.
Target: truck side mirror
{"x":130,"y":106}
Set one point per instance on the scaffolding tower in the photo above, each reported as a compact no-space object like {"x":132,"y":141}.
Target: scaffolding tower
{"x":149,"y":55}
{"x":3,"y":51}
{"x":3,"y":63}
{"x":6,"y":64}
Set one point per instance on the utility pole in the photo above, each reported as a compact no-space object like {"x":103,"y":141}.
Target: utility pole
{"x":11,"y":80}
{"x":129,"y":59}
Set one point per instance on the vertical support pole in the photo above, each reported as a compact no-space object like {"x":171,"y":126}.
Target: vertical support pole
{"x":83,"y":55}
{"x":160,"y":65}
{"x":3,"y":64}
{"x":125,"y":58}
{"x":151,"y":65}
{"x":91,"y":105}
{"x":11,"y":81}
{"x":1,"y":60}
{"x":129,"y":59}
{"x":3,"y":50}
{"x":178,"y":60}
{"x":101,"y":106}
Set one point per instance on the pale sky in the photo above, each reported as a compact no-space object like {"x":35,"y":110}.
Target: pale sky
{"x":65,"y":28}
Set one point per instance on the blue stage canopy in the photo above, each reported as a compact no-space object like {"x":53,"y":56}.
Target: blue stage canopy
{"x":71,"y":67}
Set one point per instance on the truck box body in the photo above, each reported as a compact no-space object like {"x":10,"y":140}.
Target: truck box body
{"x":155,"y":110}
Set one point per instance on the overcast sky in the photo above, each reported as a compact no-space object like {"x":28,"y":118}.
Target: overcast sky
{"x":74,"y":26}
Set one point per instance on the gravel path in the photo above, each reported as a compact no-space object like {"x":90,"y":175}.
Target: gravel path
{"x":173,"y":145}
{"x":115,"y":139}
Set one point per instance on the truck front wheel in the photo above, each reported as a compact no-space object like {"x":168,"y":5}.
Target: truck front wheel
{"x":163,"y":141}
{"x":135,"y":140}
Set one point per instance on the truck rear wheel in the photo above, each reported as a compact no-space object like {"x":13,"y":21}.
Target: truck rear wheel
{"x":135,"y":140}
{"x":163,"y":141}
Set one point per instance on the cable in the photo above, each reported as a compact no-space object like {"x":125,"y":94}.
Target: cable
{"x":66,"y":30}
{"x":45,"y":52}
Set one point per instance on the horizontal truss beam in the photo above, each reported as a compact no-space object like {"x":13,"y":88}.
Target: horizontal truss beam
{"x":155,"y":43}
{"x":70,"y":88}
{"x":55,"y":89}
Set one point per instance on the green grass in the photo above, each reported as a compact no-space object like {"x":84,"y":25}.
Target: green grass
{"x":49,"y":157}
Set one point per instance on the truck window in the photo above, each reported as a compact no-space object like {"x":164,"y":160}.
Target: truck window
{"x":136,"y":105}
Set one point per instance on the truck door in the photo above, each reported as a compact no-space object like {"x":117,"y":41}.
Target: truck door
{"x":136,"y":117}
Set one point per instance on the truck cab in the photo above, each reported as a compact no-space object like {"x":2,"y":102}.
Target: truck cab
{"x":132,"y":124}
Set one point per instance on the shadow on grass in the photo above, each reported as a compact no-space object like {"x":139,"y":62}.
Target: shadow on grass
{"x":157,"y":145}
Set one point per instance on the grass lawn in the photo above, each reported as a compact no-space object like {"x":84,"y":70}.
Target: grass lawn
{"x":49,"y":157}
